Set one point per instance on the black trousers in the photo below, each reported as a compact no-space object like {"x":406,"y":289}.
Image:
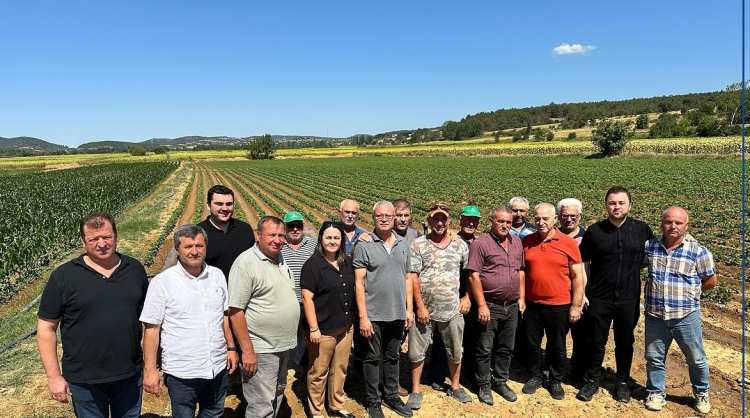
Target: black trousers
{"x":581,"y":357}
{"x":551,"y":320}
{"x":622,"y":316}
{"x":385,"y":344}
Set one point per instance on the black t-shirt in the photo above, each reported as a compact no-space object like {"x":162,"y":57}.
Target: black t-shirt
{"x":615,"y":255}
{"x":224,"y":247}
{"x":99,"y":326}
{"x":333,"y":292}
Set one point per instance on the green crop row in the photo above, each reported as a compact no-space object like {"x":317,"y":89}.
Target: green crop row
{"x":40,"y":212}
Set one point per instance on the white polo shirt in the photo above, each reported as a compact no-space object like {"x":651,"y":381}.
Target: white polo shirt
{"x":190,"y":311}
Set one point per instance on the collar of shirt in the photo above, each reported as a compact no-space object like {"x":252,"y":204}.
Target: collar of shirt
{"x":263,"y":257}
{"x":202,"y":275}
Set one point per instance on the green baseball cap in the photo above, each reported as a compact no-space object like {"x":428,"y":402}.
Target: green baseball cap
{"x":471,"y":211}
{"x":292,"y":216}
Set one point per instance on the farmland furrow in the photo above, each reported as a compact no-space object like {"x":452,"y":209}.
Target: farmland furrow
{"x":240,"y":211}
{"x":251,"y":201}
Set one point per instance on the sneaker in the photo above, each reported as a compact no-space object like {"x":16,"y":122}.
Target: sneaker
{"x":532,"y":385}
{"x":414,"y":401}
{"x":588,"y":391}
{"x":556,"y":390}
{"x":701,"y":403}
{"x":485,"y":395}
{"x":398,"y":406}
{"x":374,"y":411}
{"x":655,"y":401}
{"x":460,"y":395}
{"x":622,"y":392}
{"x":506,"y":392}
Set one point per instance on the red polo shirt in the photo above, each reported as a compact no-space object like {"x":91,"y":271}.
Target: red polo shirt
{"x":548,"y":278}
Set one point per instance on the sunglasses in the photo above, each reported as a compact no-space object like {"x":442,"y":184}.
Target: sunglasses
{"x":441,"y":207}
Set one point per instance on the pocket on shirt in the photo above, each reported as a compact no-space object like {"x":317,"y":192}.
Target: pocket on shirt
{"x":216,"y":297}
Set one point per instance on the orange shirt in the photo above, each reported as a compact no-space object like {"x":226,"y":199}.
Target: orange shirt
{"x":547,"y":270}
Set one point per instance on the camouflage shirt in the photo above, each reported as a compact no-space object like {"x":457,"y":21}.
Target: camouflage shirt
{"x":439,"y":273}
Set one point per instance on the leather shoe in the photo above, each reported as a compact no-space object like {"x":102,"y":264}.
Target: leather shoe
{"x":485,"y":395}
{"x":506,"y":392}
{"x":587,"y":391}
{"x":398,"y":406}
{"x":375,"y":411}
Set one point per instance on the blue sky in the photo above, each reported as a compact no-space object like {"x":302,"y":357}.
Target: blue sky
{"x":80,"y":71}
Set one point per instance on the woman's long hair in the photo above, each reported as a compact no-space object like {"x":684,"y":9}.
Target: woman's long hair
{"x":341,"y":256}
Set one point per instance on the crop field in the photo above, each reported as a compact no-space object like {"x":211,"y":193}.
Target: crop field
{"x":707,"y":187}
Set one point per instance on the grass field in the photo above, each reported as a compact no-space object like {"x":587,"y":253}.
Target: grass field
{"x":707,"y":187}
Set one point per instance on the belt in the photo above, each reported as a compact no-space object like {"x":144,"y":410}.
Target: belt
{"x":503,"y":303}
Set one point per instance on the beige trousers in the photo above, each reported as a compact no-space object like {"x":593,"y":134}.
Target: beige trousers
{"x":328,"y":364}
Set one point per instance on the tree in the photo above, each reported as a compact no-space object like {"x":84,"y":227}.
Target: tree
{"x":730,"y":102}
{"x":160,"y":150}
{"x":550,"y":135}
{"x":641,"y":122}
{"x":572,"y":136}
{"x":610,"y":137}
{"x":261,"y":148}
{"x":137,"y":151}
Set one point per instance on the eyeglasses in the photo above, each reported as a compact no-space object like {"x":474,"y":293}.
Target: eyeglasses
{"x":296,"y":225}
{"x":384,"y":217}
{"x":569,"y":216}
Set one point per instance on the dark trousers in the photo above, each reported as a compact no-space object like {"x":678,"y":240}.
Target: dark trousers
{"x":551,"y":320}
{"x":623,"y":317}
{"x":495,"y":344}
{"x":579,"y":360}
{"x":121,"y":398}
{"x":439,"y":360}
{"x":520,"y":350}
{"x":384,"y":344}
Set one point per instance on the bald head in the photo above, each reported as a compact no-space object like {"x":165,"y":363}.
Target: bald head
{"x":674,"y":224}
{"x":545,"y":218}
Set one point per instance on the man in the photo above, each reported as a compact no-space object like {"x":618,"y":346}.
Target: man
{"x":349,"y":212}
{"x":497,"y":283}
{"x":437,"y":261}
{"x":384,"y":301}
{"x":554,"y":296}
{"x":296,"y":250}
{"x":613,"y":250}
{"x":96,"y":298}
{"x":197,"y":344}
{"x":679,"y":270}
{"x":264,"y":314}
{"x":228,"y":237}
{"x":468,"y":223}
{"x":570,"y":216}
{"x":520,"y":207}
{"x":402,"y":225}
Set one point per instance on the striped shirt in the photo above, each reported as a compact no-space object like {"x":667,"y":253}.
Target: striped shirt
{"x":673,"y":286}
{"x":295,"y":259}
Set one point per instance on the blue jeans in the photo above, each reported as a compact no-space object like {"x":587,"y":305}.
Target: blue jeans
{"x":122,"y":398}
{"x":208,"y":393}
{"x":688,"y":333}
{"x":264,"y":391}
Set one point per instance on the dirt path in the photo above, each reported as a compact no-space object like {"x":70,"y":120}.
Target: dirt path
{"x":263,"y":205}
{"x":166,"y":256}
{"x":206,"y":185}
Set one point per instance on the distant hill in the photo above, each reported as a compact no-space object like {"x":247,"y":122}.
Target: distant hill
{"x":26,"y":145}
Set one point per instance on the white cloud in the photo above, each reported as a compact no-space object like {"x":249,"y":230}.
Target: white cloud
{"x":566,"y":49}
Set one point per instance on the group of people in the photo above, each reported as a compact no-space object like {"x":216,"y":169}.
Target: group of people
{"x":248,"y":300}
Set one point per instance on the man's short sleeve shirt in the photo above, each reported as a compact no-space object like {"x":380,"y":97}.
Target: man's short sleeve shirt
{"x":615,"y":255}
{"x":295,"y":259}
{"x":673,"y":286}
{"x":439,"y":271}
{"x":498,"y":268}
{"x":548,"y":278}
{"x":385,"y":280}
{"x":224,"y":247}
{"x":99,"y":326}
{"x":265,"y":291}
{"x":350,"y":242}
{"x":528,"y":229}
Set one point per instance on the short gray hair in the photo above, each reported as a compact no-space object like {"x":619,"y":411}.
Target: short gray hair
{"x":545,"y":204}
{"x":570,"y":203}
{"x":521,"y":199}
{"x":383,"y":203}
{"x":189,"y":231}
{"x":500,"y":209}
{"x":341,"y":205}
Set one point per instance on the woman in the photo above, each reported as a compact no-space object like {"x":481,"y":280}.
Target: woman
{"x":327,"y":284}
